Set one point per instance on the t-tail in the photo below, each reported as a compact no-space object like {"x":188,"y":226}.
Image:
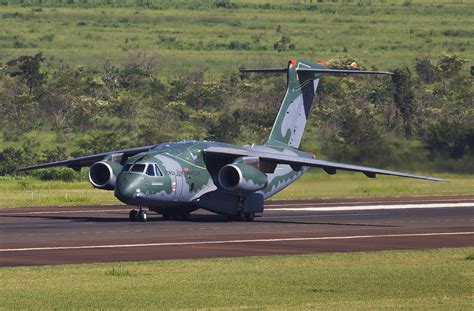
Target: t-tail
{"x":303,"y":79}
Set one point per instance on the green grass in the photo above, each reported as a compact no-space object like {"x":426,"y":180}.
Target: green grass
{"x":382,"y":33}
{"x":30,"y":192}
{"x":424,"y":280}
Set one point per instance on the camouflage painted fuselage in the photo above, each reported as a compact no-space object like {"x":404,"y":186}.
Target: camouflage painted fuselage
{"x":185,"y":181}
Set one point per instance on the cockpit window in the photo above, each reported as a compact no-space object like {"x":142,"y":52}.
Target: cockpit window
{"x":126,"y":167}
{"x":158,"y":171}
{"x":150,"y":170}
{"x":138,"y":168}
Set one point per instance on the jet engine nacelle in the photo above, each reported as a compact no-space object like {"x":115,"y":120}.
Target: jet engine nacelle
{"x":241,"y":178}
{"x":103,"y":174}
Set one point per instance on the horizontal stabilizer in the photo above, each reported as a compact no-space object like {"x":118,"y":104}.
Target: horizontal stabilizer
{"x":344,"y":71}
{"x":318,"y":71}
{"x":268,"y":70}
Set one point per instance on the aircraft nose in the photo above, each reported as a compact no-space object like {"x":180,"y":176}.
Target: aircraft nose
{"x":126,"y":190}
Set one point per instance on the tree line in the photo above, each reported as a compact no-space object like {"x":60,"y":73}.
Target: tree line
{"x":420,"y":118}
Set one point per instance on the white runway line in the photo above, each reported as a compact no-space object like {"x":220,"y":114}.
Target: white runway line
{"x":370,"y":207}
{"x":234,"y":241}
{"x":68,"y":212}
{"x":324,"y":215}
{"x":381,"y":202}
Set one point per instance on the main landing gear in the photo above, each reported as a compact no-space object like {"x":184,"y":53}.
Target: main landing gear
{"x":138,"y":214}
{"x":242,"y":216}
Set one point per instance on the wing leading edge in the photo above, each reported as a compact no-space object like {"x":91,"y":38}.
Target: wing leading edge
{"x":79,"y":162}
{"x":327,"y":166}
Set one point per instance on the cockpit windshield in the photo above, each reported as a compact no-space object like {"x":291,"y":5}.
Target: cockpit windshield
{"x":150,"y":170}
{"x":158,"y":171}
{"x":138,"y":168}
{"x":126,"y":167}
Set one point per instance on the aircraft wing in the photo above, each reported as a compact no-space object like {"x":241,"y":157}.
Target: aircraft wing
{"x":295,"y":161}
{"x":79,"y":162}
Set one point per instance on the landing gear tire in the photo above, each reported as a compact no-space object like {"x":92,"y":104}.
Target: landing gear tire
{"x":249,"y":216}
{"x":182,"y":216}
{"x":142,"y":216}
{"x":166,"y":216}
{"x":186,"y":215}
{"x":133,"y":215}
{"x":241,"y":216}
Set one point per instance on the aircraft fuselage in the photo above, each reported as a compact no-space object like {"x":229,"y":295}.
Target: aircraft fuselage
{"x":176,"y":175}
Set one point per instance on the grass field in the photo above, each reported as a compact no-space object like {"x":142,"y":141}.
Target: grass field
{"x":27,"y":191}
{"x":425,"y":280}
{"x":198,"y":34}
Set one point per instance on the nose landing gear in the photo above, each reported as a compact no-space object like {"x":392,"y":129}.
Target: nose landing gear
{"x":138,"y":214}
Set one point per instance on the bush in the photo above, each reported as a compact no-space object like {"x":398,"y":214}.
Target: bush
{"x":284,"y":44}
{"x":426,"y":70}
{"x":225,"y":4}
{"x":64,"y":174}
{"x":10,"y":160}
{"x":237,"y":45}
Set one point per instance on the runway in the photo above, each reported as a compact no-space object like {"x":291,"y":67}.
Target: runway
{"x":58,"y":235}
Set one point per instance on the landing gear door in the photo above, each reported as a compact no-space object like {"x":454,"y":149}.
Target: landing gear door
{"x":177,"y":186}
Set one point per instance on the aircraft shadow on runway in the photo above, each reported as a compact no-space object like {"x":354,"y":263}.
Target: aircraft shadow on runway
{"x":194,"y":218}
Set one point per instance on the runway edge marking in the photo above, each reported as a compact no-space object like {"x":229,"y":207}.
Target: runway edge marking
{"x":371,"y":207}
{"x":378,"y":202}
{"x":234,"y":241}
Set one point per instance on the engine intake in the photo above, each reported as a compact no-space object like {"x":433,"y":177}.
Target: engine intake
{"x":103,"y":174}
{"x":240,"y":177}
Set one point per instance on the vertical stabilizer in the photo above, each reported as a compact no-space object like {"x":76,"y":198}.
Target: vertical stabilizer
{"x":303,"y":80}
{"x":294,"y":112}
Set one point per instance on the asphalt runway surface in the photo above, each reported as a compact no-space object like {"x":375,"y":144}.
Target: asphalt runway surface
{"x":59,"y":235}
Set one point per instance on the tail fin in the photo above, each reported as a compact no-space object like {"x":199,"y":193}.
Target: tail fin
{"x":303,"y":79}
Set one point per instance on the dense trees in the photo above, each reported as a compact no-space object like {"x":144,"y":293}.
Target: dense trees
{"x":421,"y":116}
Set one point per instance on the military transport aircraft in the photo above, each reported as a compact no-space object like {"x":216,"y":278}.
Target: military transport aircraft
{"x":176,"y":178}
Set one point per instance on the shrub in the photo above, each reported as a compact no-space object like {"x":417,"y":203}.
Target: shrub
{"x":225,"y":4}
{"x":237,"y":45}
{"x":284,"y":44}
{"x":64,"y":174}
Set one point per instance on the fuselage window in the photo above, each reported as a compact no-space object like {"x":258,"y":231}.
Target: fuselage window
{"x":126,"y":167}
{"x":138,"y":168}
{"x":158,"y":171}
{"x":150,"y":170}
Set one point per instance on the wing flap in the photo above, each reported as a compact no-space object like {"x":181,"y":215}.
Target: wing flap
{"x":327,"y":166}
